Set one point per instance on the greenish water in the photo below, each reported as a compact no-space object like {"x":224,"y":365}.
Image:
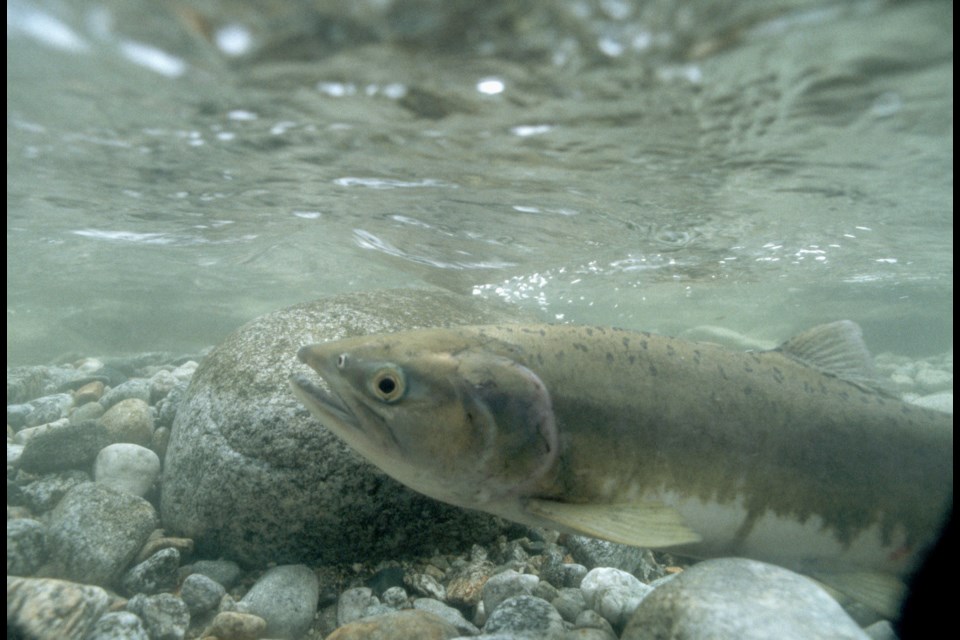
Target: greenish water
{"x":175,"y":170}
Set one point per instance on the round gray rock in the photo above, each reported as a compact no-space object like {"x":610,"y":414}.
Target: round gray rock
{"x":95,"y":532}
{"x":286,"y":598}
{"x":249,"y":474}
{"x":739,"y":598}
{"x":127,"y":467}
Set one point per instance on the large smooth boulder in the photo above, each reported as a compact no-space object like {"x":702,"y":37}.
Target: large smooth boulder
{"x":740,"y":598}
{"x":250,"y":475}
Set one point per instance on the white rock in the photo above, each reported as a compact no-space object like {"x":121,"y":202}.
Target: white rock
{"x":23,"y":435}
{"x":14,"y":451}
{"x":613,"y":593}
{"x":931,"y":380}
{"x":942,"y":401}
{"x":185,"y":371}
{"x":902,"y":381}
{"x":127,"y":467}
{"x":89,"y":365}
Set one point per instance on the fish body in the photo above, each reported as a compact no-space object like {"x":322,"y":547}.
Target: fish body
{"x":789,"y":456}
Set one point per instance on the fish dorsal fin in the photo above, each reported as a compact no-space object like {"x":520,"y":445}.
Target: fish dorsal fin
{"x":835,"y":348}
{"x":880,"y":591}
{"x":643,"y":524}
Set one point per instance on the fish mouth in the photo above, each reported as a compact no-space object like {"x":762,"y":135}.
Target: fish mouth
{"x":324,"y":404}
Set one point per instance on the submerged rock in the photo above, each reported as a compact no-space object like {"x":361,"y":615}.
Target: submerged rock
{"x":250,"y":474}
{"x":46,"y":608}
{"x":95,"y":532}
{"x":739,"y":598}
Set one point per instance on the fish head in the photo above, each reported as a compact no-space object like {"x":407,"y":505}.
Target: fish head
{"x":461,"y":425}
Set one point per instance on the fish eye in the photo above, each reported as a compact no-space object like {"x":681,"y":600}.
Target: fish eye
{"x":341,"y":361}
{"x":388,"y":384}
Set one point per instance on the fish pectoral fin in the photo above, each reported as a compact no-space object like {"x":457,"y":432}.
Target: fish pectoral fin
{"x":644,"y":524}
{"x":881,"y":592}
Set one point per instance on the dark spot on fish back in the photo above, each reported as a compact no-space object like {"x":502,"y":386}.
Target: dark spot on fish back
{"x":653,"y":370}
{"x":609,"y":357}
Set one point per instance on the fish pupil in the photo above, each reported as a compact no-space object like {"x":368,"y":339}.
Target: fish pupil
{"x":387,"y":386}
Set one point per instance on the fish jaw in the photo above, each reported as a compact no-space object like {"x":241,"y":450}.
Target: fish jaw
{"x":322,"y":403}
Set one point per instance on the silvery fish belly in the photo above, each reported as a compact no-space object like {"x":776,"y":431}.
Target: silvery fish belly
{"x":792,"y":456}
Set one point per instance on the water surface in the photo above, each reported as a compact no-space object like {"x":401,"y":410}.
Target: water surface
{"x":175,"y":170}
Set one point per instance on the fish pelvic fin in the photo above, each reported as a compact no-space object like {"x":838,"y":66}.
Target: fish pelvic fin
{"x":881,"y":592}
{"x":645,"y":524}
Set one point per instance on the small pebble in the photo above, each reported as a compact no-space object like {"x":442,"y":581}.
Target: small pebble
{"x":201,"y":594}
{"x":165,"y":616}
{"x":48,"y":409}
{"x":119,"y":625}
{"x":286,"y":597}
{"x":932,"y":380}
{"x":127,"y":467}
{"x":129,"y":420}
{"x":942,"y":401}
{"x":158,"y":541}
{"x":89,"y":411}
{"x":353,"y":603}
{"x":570,"y":603}
{"x":590,"y":619}
{"x":613,"y":593}
{"x":90,"y":392}
{"x":136,"y":388}
{"x":161,"y":384}
{"x":45,"y":493}
{"x":17,"y":414}
{"x":233,"y":625}
{"x":426,"y":585}
{"x":155,"y":574}
{"x":466,"y":584}
{"x":525,"y":616}
{"x":506,"y":585}
{"x":394,"y":597}
{"x":185,"y":372}
{"x":451,"y":615}
{"x":26,"y":546}
{"x":397,"y":625}
{"x":14,"y":453}
{"x":224,"y":572}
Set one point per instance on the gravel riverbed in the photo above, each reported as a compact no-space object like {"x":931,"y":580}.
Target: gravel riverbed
{"x":88,"y":556}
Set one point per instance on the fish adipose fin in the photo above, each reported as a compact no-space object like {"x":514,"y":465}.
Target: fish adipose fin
{"x":880,"y":591}
{"x":838,"y":349}
{"x":647,"y":524}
